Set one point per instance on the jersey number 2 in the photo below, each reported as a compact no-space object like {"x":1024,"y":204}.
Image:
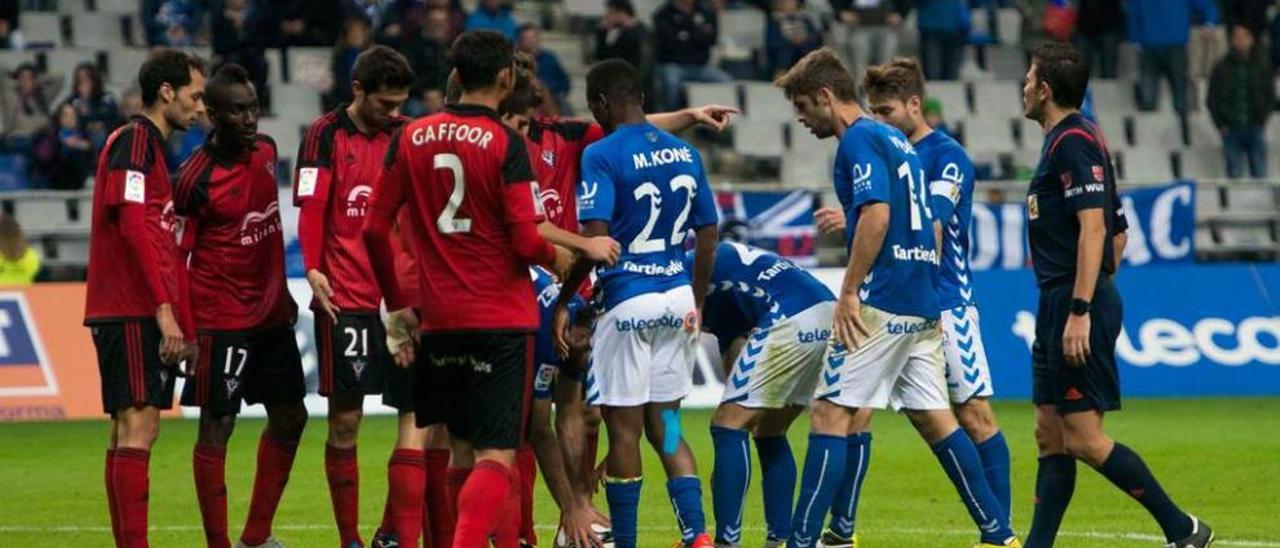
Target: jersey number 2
{"x":448,"y":222}
{"x":643,"y":243}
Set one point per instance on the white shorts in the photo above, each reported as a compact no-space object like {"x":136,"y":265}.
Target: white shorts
{"x":779,"y":364}
{"x":968,"y":375}
{"x":899,"y":366}
{"x":641,"y":352}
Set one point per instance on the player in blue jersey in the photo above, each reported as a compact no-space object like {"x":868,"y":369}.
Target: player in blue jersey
{"x":895,"y":92}
{"x":886,"y":349}
{"x":772,"y":320}
{"x":645,"y":188}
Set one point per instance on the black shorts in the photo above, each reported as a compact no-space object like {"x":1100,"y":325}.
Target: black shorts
{"x":354,"y":360}
{"x":129,"y":365}
{"x":254,"y":366}
{"x":479,"y":384}
{"x":1095,"y":386}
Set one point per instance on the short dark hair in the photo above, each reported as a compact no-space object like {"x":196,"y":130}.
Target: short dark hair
{"x":166,"y":66}
{"x":615,"y":79}
{"x":478,"y":55}
{"x":1064,"y":70}
{"x":525,"y":27}
{"x":898,"y":79}
{"x":381,"y":68}
{"x":819,"y":69}
{"x":623,"y":6}
{"x":226,"y":76}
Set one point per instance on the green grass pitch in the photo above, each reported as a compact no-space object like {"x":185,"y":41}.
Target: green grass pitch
{"x":1219,"y":459}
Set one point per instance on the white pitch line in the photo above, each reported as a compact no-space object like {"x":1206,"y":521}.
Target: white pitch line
{"x":1100,"y":535}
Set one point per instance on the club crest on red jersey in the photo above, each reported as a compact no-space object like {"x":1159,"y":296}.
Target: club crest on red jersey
{"x":358,"y":200}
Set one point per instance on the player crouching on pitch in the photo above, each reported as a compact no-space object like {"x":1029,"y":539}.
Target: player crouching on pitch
{"x":772,"y":320}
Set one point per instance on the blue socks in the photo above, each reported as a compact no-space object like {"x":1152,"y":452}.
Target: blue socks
{"x":624,"y":505}
{"x":778,"y":482}
{"x":960,"y":460}
{"x":730,"y":477}
{"x":824,"y":465}
{"x":686,"y":498}
{"x":1125,"y":470}
{"x":845,"y":508}
{"x":1055,"y":483}
{"x":995,"y":462}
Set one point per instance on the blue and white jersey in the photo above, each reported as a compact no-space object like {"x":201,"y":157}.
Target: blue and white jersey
{"x":548,"y":291}
{"x":951,"y":181}
{"x":876,"y":163}
{"x":751,"y":287}
{"x":650,"y":187}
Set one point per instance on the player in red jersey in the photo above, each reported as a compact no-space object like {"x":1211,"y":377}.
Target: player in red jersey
{"x":135,"y":304}
{"x":339,"y":163}
{"x":227,"y":197}
{"x":467,"y":181}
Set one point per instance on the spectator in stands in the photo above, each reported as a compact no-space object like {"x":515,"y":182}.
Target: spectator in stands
{"x":493,"y":15}
{"x":555,"y":81}
{"x":240,"y":31}
{"x":19,"y":263}
{"x":427,"y":52}
{"x":932,"y":110}
{"x":1208,"y":43}
{"x":1034,"y":31}
{"x":1161,"y":29}
{"x":173,"y":23}
{"x":131,"y":103}
{"x":1241,"y":95}
{"x":96,"y":109}
{"x":375,"y":12}
{"x":789,"y":35}
{"x":1250,"y":13}
{"x":865,"y":32}
{"x":944,"y":31}
{"x":457,"y":17}
{"x":621,"y":35}
{"x":303,"y":22}
{"x":26,"y":104}
{"x":9,"y":13}
{"x":75,"y":151}
{"x":1099,"y":30}
{"x":683,"y":33}
{"x":354,"y":39}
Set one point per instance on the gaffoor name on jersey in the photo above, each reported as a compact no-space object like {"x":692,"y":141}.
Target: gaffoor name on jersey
{"x":661,"y":157}
{"x":451,"y":131}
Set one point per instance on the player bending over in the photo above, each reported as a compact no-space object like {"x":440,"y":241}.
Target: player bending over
{"x":647,"y":189}
{"x":136,"y":302}
{"x":244,"y":315}
{"x":466,"y":179}
{"x":772,"y":320}
{"x":1074,"y":229}
{"x":886,"y":349}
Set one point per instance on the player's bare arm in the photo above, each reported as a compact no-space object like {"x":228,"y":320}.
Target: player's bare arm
{"x":601,"y":249}
{"x":1093,"y":234}
{"x":575,"y":514}
{"x":716,"y":117}
{"x":574,"y":278}
{"x":868,"y":237}
{"x":1118,"y":243}
{"x":704,"y":260}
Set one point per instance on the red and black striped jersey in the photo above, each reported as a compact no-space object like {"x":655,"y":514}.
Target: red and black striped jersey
{"x":338,"y":166}
{"x":134,"y":263}
{"x":231,"y":228}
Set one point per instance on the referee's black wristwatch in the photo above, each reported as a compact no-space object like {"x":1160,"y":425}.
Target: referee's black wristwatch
{"x":1079,"y":307}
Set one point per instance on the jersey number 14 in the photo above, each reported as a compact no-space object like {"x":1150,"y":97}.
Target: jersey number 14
{"x":917,"y":194}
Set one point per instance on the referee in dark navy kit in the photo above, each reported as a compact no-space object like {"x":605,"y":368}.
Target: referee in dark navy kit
{"x":1075,"y":230}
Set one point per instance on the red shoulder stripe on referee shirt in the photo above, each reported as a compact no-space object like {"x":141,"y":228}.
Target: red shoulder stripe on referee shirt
{"x":1089,"y":136}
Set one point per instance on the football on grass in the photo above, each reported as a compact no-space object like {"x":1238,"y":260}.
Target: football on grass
{"x":605,"y":534}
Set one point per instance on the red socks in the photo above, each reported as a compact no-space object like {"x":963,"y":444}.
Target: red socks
{"x":275,"y":459}
{"x":437,"y":515}
{"x":406,"y":480}
{"x":107,"y":471}
{"x":510,"y":524}
{"x":457,"y":479}
{"x":130,"y":482}
{"x":209,"y":464}
{"x":528,"y":477}
{"x":343,"y":473}
{"x":481,"y":504}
